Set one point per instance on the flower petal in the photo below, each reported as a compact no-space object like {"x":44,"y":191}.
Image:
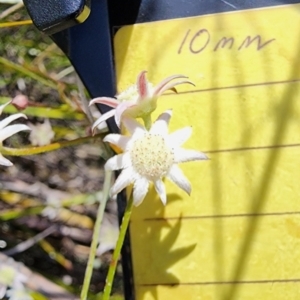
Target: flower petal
{"x":179,"y":137}
{"x":112,"y":102}
{"x":170,"y":86}
{"x":123,"y":180}
{"x":103,"y":118}
{"x":164,"y":82}
{"x":4,"y":105}
{"x":118,"y":162}
{"x":160,"y":126}
{"x":161,"y":191}
{"x":4,"y":161}
{"x":176,"y":175}
{"x":164,"y":85}
{"x":132,"y":125}
{"x":117,"y":139}
{"x":142,"y":85}
{"x":140,"y":189}
{"x":11,"y":118}
{"x":183,"y":155}
{"x":11,"y":130}
{"x":122,"y":107}
{"x":3,"y":289}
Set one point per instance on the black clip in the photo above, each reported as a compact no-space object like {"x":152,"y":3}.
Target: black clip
{"x":52,"y":16}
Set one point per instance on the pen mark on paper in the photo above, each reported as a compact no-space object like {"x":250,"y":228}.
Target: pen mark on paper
{"x":203,"y":39}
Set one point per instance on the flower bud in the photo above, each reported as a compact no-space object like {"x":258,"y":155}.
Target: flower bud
{"x":20,"y":102}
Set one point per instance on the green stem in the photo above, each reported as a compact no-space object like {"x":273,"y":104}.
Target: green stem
{"x":51,"y":147}
{"x":95,"y":238}
{"x":147,"y":121}
{"x":62,"y":112}
{"x":117,"y":251}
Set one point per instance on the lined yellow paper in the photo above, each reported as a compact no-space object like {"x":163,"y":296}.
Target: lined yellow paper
{"x":238,"y":235}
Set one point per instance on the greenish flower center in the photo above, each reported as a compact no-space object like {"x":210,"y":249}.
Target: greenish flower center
{"x":151,"y":157}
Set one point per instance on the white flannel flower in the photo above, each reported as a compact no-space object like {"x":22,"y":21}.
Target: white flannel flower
{"x":139,"y":100}
{"x":149,"y":156}
{"x":7,"y":131}
{"x":12,"y":284}
{"x":18,"y":294}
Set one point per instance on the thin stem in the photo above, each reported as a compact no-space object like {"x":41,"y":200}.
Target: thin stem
{"x":95,"y":238}
{"x":55,"y":146}
{"x":84,"y":100}
{"x":17,"y":23}
{"x":11,"y":10}
{"x":21,"y":247}
{"x":117,"y":251}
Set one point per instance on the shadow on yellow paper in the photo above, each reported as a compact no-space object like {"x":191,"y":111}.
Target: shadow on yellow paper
{"x":238,"y":235}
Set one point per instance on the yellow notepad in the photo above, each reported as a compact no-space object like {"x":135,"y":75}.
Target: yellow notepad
{"x":238,"y":235}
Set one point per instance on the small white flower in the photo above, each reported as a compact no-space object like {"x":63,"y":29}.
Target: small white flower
{"x":18,"y":294}
{"x":149,"y":156}
{"x":7,"y":131}
{"x":139,"y":100}
{"x":109,"y":233}
{"x":41,"y":134}
{"x":12,"y":284}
